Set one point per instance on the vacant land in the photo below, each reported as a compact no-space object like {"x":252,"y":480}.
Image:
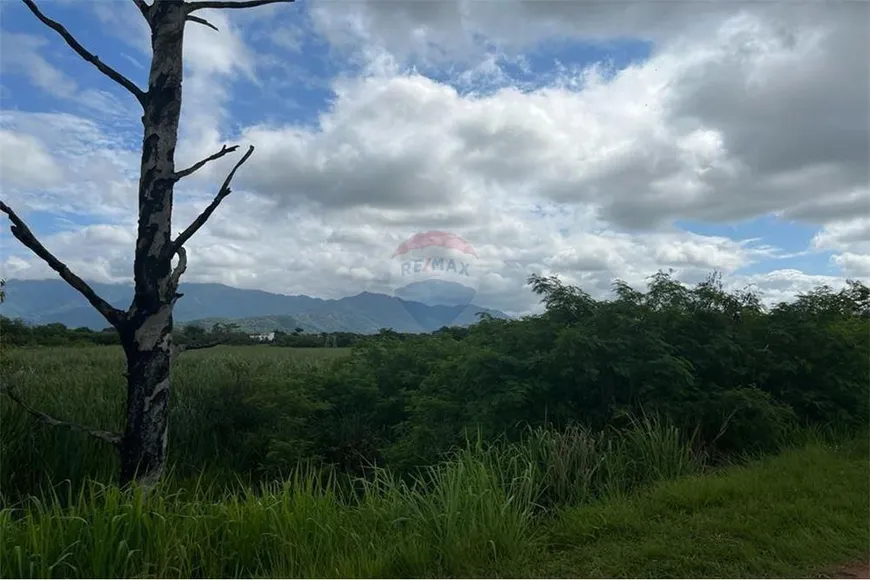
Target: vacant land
{"x":220,"y":395}
{"x":653,"y":435}
{"x":790,"y":516}
{"x":786,"y":516}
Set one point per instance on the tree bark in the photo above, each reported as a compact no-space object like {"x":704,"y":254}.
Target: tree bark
{"x":146,"y":327}
{"x":147,"y":333}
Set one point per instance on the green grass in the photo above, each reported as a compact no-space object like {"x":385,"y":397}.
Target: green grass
{"x":639,"y":501}
{"x":456,"y":520}
{"x":792,"y":515}
{"x":787,"y":516}
{"x":214,"y":390}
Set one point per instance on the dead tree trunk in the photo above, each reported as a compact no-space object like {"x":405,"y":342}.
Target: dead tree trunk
{"x":146,"y":327}
{"x":147,"y":334}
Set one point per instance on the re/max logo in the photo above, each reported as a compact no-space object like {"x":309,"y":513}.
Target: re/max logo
{"x":432,"y":264}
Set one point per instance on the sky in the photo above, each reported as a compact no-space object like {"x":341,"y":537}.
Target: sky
{"x":592,"y":140}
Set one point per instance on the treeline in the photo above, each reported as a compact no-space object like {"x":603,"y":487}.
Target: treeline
{"x":593,"y":398}
{"x":708,"y":361}
{"x":712,"y":362}
{"x":300,"y":339}
{"x":14,"y":332}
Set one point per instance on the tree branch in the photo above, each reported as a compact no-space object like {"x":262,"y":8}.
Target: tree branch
{"x":177,"y":349}
{"x":191,"y":6}
{"x":175,"y":277}
{"x":107,"y":436}
{"x":198,"y":165}
{"x":202,"y":21}
{"x":88,"y":56}
{"x":203,"y":217}
{"x":144,"y":8}
{"x":26,"y":237}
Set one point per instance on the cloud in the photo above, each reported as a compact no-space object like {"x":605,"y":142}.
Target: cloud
{"x":844,"y":235}
{"x":783,"y":285}
{"x":100,"y":253}
{"x":25,"y":162}
{"x":59,"y":162}
{"x":22,"y":54}
{"x":474,"y":117}
{"x":853,"y":265}
{"x":742,"y":123}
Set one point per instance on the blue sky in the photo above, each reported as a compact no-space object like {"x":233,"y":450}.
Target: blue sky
{"x":628,"y":126}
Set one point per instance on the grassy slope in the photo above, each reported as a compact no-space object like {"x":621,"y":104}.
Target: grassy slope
{"x":792,"y":515}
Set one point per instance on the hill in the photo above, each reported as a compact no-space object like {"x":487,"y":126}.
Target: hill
{"x":48,"y":301}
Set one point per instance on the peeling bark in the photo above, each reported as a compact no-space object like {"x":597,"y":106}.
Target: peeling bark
{"x":146,"y":327}
{"x":149,"y":356}
{"x":147,"y":337}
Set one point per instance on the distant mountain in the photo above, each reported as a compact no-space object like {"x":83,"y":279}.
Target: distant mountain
{"x":47,"y":301}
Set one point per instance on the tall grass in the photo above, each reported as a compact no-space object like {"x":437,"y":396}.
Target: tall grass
{"x":576,"y":465}
{"x":476,"y":514}
{"x":211,"y":402}
{"x":454,"y":520}
{"x":483,"y":510}
{"x":230,"y":406}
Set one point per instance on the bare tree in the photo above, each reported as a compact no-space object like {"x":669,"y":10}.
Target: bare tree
{"x":145,"y":327}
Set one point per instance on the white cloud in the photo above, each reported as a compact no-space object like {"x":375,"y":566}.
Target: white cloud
{"x":25,"y":162}
{"x":848,"y":234}
{"x":100,"y":253}
{"x":212,"y":60}
{"x":851,"y":240}
{"x":20,"y":54}
{"x":738,"y":113}
{"x":854,"y":265}
{"x":704,"y":129}
{"x":64,"y":163}
{"x":784,"y":285}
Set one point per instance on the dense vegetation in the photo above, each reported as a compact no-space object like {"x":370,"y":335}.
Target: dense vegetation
{"x":16,"y":332}
{"x":486,"y":429}
{"x":790,"y":516}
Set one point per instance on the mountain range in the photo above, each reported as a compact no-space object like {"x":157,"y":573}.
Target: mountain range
{"x":48,"y":301}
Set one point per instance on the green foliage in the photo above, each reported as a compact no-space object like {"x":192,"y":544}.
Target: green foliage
{"x":709,"y":363}
{"x":463,"y":525}
{"x":300,"y":339}
{"x":508,"y":448}
{"x":17,"y":333}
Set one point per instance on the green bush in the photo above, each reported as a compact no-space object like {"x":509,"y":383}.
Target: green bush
{"x":708,"y":362}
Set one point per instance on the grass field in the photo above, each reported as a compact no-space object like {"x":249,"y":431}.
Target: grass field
{"x":86,"y":385}
{"x":794,"y":515}
{"x":638,"y":502}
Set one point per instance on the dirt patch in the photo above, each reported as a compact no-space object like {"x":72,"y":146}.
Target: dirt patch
{"x":857,"y":569}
